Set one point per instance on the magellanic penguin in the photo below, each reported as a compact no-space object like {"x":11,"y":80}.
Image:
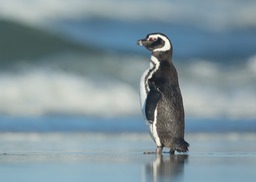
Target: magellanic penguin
{"x":160,"y":96}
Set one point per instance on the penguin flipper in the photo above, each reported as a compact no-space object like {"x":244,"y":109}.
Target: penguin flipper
{"x":151,"y":103}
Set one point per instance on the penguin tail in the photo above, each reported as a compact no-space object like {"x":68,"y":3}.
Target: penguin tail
{"x":181,"y":146}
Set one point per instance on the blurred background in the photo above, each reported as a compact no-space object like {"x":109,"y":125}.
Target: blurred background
{"x":74,"y":65}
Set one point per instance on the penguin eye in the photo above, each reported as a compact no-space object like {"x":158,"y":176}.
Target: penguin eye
{"x":152,"y":39}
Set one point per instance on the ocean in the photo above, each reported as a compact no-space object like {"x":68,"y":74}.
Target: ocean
{"x":79,"y":61}
{"x":69,"y":89}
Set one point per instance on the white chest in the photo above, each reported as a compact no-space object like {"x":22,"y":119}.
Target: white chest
{"x":144,"y":88}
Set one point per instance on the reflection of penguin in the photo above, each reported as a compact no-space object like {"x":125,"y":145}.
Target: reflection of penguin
{"x":161,"y":100}
{"x":165,"y":168}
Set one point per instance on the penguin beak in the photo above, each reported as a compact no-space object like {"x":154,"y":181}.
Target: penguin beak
{"x":143,"y":42}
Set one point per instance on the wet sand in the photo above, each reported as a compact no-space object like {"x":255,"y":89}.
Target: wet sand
{"x":119,"y":157}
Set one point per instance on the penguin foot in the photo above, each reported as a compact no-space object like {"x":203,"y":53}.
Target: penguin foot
{"x":158,"y":151}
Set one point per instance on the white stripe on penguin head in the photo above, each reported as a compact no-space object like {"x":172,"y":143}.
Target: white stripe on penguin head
{"x":167,"y":45}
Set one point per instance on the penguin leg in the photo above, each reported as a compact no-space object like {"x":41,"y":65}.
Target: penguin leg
{"x":171,"y":152}
{"x":159,"y":150}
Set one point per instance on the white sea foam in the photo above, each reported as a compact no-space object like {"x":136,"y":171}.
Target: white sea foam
{"x":216,"y":14}
{"x":209,"y":89}
{"x":40,"y":92}
{"x":252,"y":65}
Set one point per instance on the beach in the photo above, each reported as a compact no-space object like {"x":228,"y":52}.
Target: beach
{"x":69,"y":90}
{"x":64,"y":156}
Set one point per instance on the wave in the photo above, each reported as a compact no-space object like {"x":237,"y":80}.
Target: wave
{"x":20,"y":41}
{"x":188,"y":40}
{"x":109,"y":87}
{"x":24,"y":42}
{"x":40,"y":92}
{"x":41,"y":79}
{"x":217,"y":15}
{"x":222,"y":90}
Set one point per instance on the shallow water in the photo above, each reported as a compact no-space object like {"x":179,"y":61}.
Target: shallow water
{"x":119,"y":157}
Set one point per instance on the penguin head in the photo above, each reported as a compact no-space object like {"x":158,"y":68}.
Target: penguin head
{"x":156,"y":42}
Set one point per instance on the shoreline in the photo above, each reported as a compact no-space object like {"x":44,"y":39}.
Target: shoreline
{"x":119,"y":157}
